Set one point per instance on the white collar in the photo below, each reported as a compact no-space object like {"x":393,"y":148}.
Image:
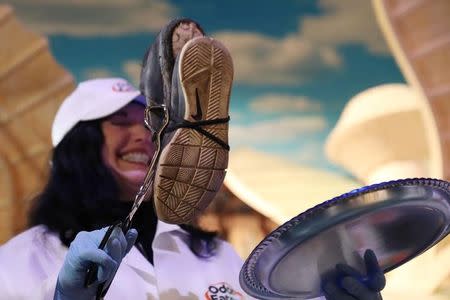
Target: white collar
{"x":161,"y":241}
{"x":162,"y":227}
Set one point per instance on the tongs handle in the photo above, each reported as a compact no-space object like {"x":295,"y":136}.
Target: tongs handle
{"x":91,"y":274}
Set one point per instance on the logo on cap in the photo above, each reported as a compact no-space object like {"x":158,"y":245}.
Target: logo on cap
{"x":123,"y":86}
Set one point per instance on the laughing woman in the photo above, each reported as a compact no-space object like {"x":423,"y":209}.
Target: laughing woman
{"x":99,"y":161}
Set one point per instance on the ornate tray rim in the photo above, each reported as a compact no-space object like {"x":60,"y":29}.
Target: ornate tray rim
{"x":247,"y":277}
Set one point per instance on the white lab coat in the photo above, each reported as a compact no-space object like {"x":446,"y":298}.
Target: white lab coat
{"x":30,"y":262}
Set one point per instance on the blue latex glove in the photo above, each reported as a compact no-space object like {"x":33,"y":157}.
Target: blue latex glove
{"x":349,"y":284}
{"x":84,"y":250}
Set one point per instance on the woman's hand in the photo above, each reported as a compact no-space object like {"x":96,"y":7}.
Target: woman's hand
{"x":348,"y":284}
{"x":82,"y":252}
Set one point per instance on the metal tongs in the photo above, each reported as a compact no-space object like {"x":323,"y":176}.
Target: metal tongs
{"x":156,"y":119}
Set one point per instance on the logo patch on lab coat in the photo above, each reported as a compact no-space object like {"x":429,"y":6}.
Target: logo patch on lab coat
{"x":222,"y":291}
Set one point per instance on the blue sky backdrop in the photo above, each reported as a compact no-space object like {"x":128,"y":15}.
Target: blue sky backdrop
{"x":297,"y":62}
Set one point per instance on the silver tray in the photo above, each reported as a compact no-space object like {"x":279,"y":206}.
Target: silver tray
{"x":398,"y":220}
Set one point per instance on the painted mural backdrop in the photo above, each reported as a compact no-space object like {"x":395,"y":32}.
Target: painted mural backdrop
{"x":296,"y":62}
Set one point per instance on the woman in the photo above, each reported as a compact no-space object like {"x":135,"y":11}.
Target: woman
{"x":101,"y":150}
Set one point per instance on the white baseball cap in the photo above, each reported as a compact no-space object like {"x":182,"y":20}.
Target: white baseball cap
{"x":93,"y":99}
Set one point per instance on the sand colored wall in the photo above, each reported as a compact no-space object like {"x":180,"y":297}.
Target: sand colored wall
{"x":32,"y":84}
{"x":418,"y":33}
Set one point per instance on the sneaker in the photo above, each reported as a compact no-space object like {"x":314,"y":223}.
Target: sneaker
{"x":194,"y":155}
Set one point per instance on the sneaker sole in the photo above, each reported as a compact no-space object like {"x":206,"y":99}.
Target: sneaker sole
{"x":192,"y":167}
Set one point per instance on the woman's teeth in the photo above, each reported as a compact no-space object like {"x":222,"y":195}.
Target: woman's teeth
{"x":136,"y":157}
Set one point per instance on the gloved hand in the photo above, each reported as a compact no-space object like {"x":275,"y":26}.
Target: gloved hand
{"x":348,"y":284}
{"x":82,"y":252}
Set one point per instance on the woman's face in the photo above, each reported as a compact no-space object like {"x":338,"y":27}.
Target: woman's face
{"x":127,"y":148}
